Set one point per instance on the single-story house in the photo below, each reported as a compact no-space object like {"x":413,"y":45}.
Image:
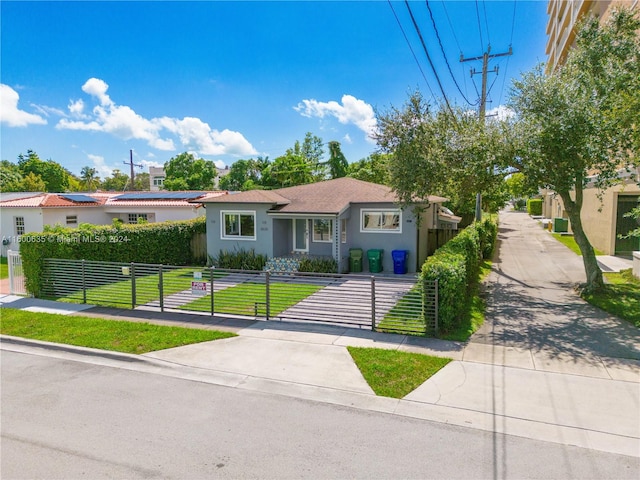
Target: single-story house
{"x":324,"y":219}
{"x":27,"y":213}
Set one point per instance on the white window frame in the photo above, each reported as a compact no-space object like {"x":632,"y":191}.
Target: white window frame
{"x":343,"y":230}
{"x":382,"y":211}
{"x":19,"y":225}
{"x":329,"y":230}
{"x":158,"y":181}
{"x":137,"y":216}
{"x":240,"y":213}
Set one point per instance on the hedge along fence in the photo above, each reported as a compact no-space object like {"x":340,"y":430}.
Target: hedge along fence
{"x":534,"y":206}
{"x":167,"y":243}
{"x":455,"y":265}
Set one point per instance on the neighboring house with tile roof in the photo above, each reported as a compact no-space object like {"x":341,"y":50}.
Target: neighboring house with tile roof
{"x":27,"y":213}
{"x":323,"y":219}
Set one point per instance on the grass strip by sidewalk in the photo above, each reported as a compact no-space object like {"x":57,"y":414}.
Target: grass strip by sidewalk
{"x":621,"y":296}
{"x":4,"y":268}
{"x":570,"y":242}
{"x":115,"y":335}
{"x":395,"y":374}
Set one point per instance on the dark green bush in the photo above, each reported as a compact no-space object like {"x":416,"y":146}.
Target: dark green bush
{"x":318,"y":265}
{"x":167,"y":243}
{"x":534,"y":206}
{"x":240,"y":259}
{"x":488,"y":232}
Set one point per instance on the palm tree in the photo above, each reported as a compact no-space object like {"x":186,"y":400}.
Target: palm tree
{"x":89,"y":179}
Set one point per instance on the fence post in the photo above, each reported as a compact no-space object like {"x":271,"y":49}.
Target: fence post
{"x":436,"y":303}
{"x":161,"y":288}
{"x":84,"y":283}
{"x":373,"y":303}
{"x":267,"y":293}
{"x":211,"y":269}
{"x":133,"y":285}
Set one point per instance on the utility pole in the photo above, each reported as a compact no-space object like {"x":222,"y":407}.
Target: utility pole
{"x":131,"y":164}
{"x":482,"y":108}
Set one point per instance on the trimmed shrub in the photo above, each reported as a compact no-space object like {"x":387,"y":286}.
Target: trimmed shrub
{"x":318,"y":265}
{"x":534,"y":206}
{"x":450,"y":271}
{"x":239,"y":260}
{"x":488,"y":232}
{"x":163,"y":242}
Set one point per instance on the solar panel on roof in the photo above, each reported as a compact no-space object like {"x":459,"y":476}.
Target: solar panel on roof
{"x":159,"y":196}
{"x":79,"y":198}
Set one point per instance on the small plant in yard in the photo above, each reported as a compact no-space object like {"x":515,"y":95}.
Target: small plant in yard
{"x":395,"y":374}
{"x":620,"y":296}
{"x":318,"y":265}
{"x":115,"y":335}
{"x":239,"y":260}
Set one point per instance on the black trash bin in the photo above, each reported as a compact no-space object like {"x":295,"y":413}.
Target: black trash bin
{"x":399,"y":261}
{"x":355,"y":260}
{"x":375,"y":260}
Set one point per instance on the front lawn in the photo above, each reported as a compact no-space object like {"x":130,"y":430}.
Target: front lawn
{"x":115,"y":335}
{"x":4,"y":268}
{"x":621,"y":296}
{"x":569,"y":242}
{"x":395,"y":374}
{"x":250,"y":298}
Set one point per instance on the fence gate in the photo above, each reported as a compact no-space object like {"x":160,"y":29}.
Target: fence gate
{"x":16,"y":275}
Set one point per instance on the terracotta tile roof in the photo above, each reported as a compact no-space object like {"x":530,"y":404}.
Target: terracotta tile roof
{"x":330,"y":196}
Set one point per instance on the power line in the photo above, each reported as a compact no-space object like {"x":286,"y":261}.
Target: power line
{"x":411,"y":48}
{"x":486,"y":23}
{"x":426,"y":51}
{"x":479,"y":26}
{"x":444,"y":7}
{"x":435,"y":29}
{"x":506,"y":68}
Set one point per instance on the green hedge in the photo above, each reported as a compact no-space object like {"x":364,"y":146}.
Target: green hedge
{"x":168,"y":243}
{"x":456,"y":265}
{"x":239,"y":259}
{"x":534,"y":206}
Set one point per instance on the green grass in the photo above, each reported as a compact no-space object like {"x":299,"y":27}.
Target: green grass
{"x":242,"y":299}
{"x":475,"y":309}
{"x":395,"y":374}
{"x":405,"y":316}
{"x":620,"y":297}
{"x":115,"y":335}
{"x":118,"y":294}
{"x":569,"y":242}
{"x":4,"y":268}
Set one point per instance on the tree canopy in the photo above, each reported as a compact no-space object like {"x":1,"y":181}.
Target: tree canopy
{"x":185,"y":172}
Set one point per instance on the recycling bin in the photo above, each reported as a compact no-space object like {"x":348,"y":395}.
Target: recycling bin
{"x":399,"y":261}
{"x":560,"y":225}
{"x":375,"y":260}
{"x":355,"y":260}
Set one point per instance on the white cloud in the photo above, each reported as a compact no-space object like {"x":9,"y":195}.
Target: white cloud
{"x":11,"y":115}
{"x":98,"y":163}
{"x":347,"y":139}
{"x":501,"y":112}
{"x":123,"y":122}
{"x":352,"y":110}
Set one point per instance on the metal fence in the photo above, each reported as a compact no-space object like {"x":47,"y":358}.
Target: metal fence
{"x":16,"y":275}
{"x":401,"y":304}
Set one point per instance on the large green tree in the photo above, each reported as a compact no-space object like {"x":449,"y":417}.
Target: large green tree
{"x":117,"y":182}
{"x":372,"y":169}
{"x":89,"y":179}
{"x":573,"y":122}
{"x":54,"y":175}
{"x":246,"y":175}
{"x":337,"y":163}
{"x":185,"y":172}
{"x":10,"y":177}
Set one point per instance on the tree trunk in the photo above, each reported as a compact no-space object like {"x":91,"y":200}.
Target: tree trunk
{"x":591,"y":267}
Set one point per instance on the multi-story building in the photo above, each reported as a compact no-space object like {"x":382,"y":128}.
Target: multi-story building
{"x":603,"y":213}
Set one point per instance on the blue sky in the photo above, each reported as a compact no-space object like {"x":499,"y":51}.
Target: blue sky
{"x":82,"y":83}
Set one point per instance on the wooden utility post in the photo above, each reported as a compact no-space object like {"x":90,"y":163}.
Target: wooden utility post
{"x":482,"y":108}
{"x":131,"y":164}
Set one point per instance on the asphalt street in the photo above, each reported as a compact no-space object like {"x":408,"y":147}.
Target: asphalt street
{"x":66,"y":419}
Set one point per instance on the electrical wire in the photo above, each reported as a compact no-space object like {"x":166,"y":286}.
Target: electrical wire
{"x":486,"y":22}
{"x":506,"y":68}
{"x":426,"y":51}
{"x":479,"y":26}
{"x":411,"y":48}
{"x":435,"y":29}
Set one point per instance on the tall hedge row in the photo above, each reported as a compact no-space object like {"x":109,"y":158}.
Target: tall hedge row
{"x":168,"y":243}
{"x":534,"y":206}
{"x":456,"y":265}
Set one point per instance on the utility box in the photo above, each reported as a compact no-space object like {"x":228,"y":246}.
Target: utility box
{"x":355,"y":260}
{"x":399,"y":261}
{"x":560,"y":225}
{"x":375,"y":259}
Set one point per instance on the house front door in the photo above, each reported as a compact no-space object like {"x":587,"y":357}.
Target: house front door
{"x":300,"y":235}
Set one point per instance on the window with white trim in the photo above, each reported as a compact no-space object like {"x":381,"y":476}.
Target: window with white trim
{"x":158,"y":181}
{"x":238,"y":224}
{"x":19,"y":224}
{"x":343,"y":230}
{"x":322,"y":230}
{"x":384,"y":221}
{"x":137,"y":217}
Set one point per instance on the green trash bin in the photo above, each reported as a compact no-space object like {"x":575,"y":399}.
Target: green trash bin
{"x":355,"y":260}
{"x":560,"y":225}
{"x":375,"y":260}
